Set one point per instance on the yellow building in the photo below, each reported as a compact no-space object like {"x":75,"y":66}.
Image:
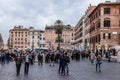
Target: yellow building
{"x":18,"y":37}
{"x":23,"y":38}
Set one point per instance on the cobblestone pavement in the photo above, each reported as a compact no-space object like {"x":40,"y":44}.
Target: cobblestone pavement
{"x":78,"y":71}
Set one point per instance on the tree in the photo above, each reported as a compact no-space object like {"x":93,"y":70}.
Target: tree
{"x":59,"y":38}
{"x":1,"y":42}
{"x":59,"y":26}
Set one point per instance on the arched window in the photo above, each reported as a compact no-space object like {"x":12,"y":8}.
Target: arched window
{"x":107,"y":22}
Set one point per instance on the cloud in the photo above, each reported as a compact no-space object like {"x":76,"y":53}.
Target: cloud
{"x":38,"y":13}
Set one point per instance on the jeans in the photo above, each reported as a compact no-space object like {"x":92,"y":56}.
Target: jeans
{"x":26,"y":69}
{"x":98,"y":65}
{"x":18,"y":69}
{"x":67,"y":69}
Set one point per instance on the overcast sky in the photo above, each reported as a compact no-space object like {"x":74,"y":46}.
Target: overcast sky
{"x":38,"y":13}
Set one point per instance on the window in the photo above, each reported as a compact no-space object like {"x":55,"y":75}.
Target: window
{"x":106,"y":10}
{"x":119,"y":38}
{"x":119,"y":10}
{"x":33,"y":33}
{"x":92,"y":29}
{"x":25,"y":42}
{"x":11,"y":32}
{"x":85,"y":40}
{"x":119,"y":23}
{"x":96,"y":14}
{"x":43,"y":45}
{"x":25,"y":39}
{"x":99,"y":38}
{"x":93,"y":39}
{"x":72,"y":34}
{"x":99,"y":12}
{"x":106,"y":23}
{"x":98,"y":25}
{"x":11,"y":39}
{"x":103,"y":35}
{"x":109,"y":36}
{"x":96,"y":38}
{"x":43,"y":38}
{"x":33,"y":37}
{"x":15,"y":42}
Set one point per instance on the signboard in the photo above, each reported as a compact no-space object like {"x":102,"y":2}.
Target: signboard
{"x":114,"y":32}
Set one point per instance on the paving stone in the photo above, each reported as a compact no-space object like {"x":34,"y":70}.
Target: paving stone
{"x":82,"y":70}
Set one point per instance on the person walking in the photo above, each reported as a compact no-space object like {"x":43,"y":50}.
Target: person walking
{"x":60,"y":63}
{"x":92,"y":57}
{"x":27,"y":61}
{"x":40,"y":59}
{"x":18,"y":61}
{"x":3,"y":58}
{"x":98,"y":62}
{"x":109,"y":55}
{"x":67,"y":62}
{"x":52,"y":59}
{"x":63,"y":64}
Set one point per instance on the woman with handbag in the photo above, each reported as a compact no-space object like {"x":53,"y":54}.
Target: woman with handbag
{"x":98,"y":62}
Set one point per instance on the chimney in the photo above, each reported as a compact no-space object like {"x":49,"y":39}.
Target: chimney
{"x":107,"y":1}
{"x":118,"y":1}
{"x":90,"y":5}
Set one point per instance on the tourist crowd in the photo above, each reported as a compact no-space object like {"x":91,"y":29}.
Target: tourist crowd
{"x":54,"y":57}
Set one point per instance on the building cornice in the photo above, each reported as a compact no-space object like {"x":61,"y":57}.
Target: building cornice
{"x":104,"y":4}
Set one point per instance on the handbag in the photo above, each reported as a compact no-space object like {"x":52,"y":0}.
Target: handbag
{"x":99,"y":62}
